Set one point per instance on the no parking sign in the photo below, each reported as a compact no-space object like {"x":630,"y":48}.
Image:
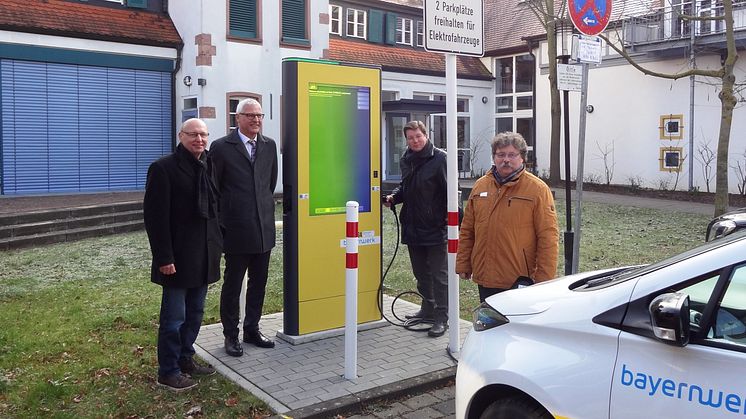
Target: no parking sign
{"x":590,"y":17}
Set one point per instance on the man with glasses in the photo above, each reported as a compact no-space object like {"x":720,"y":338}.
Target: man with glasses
{"x":509,"y":236}
{"x":180,"y":211}
{"x":244,"y":165}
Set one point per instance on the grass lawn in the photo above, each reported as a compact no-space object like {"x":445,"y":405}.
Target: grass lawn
{"x":79,"y":320}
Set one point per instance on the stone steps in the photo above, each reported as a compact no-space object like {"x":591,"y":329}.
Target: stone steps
{"x":35,"y":228}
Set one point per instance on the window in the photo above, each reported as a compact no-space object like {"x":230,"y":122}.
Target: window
{"x":671,"y":127}
{"x":242,"y":19}
{"x":233,"y":99}
{"x":670,"y":159}
{"x":335,"y":17}
{"x":514,"y":100}
{"x":356,"y":21}
{"x":420,"y":33}
{"x":404,"y":31}
{"x":294,"y":22}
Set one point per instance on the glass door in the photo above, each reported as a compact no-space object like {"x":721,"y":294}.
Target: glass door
{"x":395,"y":143}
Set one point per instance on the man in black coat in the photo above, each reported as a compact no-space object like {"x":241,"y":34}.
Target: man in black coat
{"x":180,"y":211}
{"x":244,"y":166}
{"x":423,"y":192}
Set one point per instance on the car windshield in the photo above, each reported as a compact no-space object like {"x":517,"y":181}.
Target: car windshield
{"x":620,"y":275}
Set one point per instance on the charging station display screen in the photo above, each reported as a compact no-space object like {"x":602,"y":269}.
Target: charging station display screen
{"x":339,"y":148}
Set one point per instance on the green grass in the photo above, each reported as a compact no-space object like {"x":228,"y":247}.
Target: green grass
{"x":79,"y":320}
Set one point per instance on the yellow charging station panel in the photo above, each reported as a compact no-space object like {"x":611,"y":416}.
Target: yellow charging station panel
{"x":331,"y":154}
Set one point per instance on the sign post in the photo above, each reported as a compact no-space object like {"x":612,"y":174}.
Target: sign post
{"x":454,"y":27}
{"x":590,"y":17}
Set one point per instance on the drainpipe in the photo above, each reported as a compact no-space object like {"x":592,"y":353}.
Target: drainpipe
{"x":533,"y":104}
{"x":692,"y":65}
{"x":176,"y":69}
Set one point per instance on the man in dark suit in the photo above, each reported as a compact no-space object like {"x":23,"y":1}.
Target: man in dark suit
{"x":180,"y":211}
{"x":245,"y":170}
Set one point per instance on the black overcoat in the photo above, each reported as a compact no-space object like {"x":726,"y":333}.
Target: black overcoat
{"x":176,"y":231}
{"x":247,"y":207}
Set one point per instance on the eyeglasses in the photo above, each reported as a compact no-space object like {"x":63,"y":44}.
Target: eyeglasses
{"x":252,"y":115}
{"x":195,"y":134}
{"x":509,"y":156}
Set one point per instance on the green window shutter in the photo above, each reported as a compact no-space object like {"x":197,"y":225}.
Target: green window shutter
{"x":294,"y":22}
{"x":391,"y":28}
{"x":242,"y":19}
{"x":140,"y":4}
{"x":375,"y":26}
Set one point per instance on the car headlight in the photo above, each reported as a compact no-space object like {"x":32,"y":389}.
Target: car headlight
{"x":486,"y":317}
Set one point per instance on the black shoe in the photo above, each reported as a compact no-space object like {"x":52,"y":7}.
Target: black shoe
{"x":258,"y":339}
{"x":420,"y":315}
{"x":176,"y":382}
{"x":193,"y":368}
{"x":233,"y":347}
{"x":438,"y":329}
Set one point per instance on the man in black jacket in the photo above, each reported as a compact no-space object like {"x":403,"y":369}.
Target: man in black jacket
{"x":245,"y":169}
{"x":423,"y":193}
{"x":180,"y":211}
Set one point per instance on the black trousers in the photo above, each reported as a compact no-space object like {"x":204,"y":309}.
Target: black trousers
{"x":485,"y":292}
{"x":430,"y":267}
{"x":236,"y":265}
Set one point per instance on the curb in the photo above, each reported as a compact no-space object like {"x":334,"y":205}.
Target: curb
{"x":355,"y":402}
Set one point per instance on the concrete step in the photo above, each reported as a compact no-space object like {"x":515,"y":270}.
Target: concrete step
{"x":36,"y":228}
{"x":70,"y":234}
{"x":61,"y":224}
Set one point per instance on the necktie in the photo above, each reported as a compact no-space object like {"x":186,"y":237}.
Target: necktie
{"x":252,"y":154}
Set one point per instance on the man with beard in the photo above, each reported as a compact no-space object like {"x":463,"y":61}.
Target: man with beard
{"x":509,"y":233}
{"x":423,"y":193}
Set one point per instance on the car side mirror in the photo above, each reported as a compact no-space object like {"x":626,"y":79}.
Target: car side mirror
{"x":719,"y":228}
{"x":669,"y":314}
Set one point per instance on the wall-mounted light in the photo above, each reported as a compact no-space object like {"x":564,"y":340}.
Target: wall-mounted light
{"x":202,"y":82}
{"x":589,"y":108}
{"x":484,"y":99}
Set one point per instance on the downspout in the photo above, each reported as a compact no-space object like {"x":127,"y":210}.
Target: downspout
{"x":176,"y":69}
{"x":533,"y":105}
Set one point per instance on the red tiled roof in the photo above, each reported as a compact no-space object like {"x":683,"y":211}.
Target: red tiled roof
{"x":80,"y":20}
{"x":506,"y":23}
{"x":403,"y":60}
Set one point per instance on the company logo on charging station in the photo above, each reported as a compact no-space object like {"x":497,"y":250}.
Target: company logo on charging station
{"x":365,"y":238}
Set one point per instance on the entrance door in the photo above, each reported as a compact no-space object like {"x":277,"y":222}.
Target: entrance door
{"x":395,"y":143}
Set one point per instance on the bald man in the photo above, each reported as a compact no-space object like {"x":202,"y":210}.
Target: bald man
{"x":181,"y":219}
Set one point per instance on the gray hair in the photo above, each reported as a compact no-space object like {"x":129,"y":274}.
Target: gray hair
{"x":246,"y":102}
{"x":505,"y":139}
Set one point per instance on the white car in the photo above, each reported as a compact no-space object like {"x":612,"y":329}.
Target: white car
{"x":667,"y":340}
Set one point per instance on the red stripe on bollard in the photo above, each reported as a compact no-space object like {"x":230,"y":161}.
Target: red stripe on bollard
{"x":453,"y":246}
{"x":352,"y":229}
{"x":453,"y":218}
{"x":351,"y":260}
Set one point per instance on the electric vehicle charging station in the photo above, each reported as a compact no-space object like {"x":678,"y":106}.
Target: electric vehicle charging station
{"x":331,"y":148}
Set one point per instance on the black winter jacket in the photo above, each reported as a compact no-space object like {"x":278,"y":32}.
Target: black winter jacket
{"x":423,"y":193}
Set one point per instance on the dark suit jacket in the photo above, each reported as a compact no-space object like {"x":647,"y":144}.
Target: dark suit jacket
{"x":176,"y":231}
{"x":247,"y":207}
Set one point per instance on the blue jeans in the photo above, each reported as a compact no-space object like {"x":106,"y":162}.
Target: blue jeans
{"x":181,"y":317}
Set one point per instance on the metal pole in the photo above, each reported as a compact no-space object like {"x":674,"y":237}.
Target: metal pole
{"x":692,"y":65}
{"x":579,"y":174}
{"x":569,"y":235}
{"x":351,"y":290}
{"x":452,"y":167}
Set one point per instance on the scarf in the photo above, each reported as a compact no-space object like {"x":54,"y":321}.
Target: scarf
{"x":204,"y":187}
{"x":503,"y":180}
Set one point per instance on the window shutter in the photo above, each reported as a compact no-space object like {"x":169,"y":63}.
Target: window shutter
{"x":391,"y":28}
{"x":294,"y":21}
{"x":140,"y":4}
{"x":242,"y":19}
{"x":375,"y":26}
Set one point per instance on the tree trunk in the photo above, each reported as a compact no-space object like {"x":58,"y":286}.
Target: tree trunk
{"x":728,"y":102}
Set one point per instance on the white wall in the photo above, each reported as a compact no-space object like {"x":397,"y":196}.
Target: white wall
{"x":627,"y":110}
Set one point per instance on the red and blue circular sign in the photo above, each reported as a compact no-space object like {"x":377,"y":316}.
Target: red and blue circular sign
{"x":590,"y":16}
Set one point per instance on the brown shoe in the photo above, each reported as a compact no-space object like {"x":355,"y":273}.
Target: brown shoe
{"x":176,"y":382}
{"x":194,"y":368}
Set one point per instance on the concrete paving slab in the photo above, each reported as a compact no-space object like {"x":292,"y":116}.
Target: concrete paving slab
{"x":307,"y":380}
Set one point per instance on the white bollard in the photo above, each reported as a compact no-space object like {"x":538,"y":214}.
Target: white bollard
{"x":351,"y":291}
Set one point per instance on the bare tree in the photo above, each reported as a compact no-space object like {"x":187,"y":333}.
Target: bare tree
{"x":544,"y":10}
{"x":740,"y":169}
{"x":726,"y":81}
{"x":607,"y":155}
{"x":705,"y":156}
